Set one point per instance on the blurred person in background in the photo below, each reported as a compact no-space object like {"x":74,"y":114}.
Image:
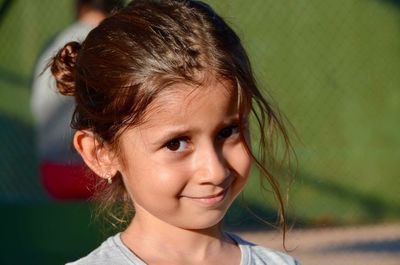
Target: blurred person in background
{"x":62,"y":172}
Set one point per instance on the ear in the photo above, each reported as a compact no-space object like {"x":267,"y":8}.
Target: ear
{"x":97,"y":156}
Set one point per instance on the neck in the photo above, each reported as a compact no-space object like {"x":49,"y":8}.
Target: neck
{"x":146,"y":236}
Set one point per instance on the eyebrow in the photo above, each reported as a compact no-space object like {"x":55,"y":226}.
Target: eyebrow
{"x":172,"y":132}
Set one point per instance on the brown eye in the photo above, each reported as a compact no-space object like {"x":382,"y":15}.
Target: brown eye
{"x":228,"y":131}
{"x":177,"y":145}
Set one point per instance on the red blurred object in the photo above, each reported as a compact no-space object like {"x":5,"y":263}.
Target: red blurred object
{"x":67,"y":181}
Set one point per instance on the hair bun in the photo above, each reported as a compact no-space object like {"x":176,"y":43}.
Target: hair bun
{"x":63,"y":68}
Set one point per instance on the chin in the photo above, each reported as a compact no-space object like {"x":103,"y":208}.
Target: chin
{"x":204,"y":221}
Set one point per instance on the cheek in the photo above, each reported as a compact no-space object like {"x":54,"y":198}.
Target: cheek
{"x":149,"y":176}
{"x":239,"y":160}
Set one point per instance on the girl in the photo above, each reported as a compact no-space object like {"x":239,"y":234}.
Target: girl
{"x":163,"y":92}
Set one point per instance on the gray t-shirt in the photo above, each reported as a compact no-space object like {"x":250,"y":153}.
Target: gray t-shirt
{"x":113,"y":251}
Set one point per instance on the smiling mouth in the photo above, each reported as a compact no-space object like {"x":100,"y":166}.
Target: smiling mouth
{"x":210,"y":200}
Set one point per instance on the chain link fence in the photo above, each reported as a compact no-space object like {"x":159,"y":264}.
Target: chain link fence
{"x":332,"y":66}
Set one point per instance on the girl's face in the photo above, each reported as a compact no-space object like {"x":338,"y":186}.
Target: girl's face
{"x":187,"y":162}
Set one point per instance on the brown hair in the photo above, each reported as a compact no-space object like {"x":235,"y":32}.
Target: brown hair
{"x":126,"y":61}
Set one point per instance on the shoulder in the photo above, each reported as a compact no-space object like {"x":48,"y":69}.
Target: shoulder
{"x":258,"y":255}
{"x":110,"y":251}
{"x":262,"y":255}
{"x":75,"y":32}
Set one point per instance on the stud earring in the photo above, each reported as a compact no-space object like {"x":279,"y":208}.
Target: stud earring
{"x":109,"y":177}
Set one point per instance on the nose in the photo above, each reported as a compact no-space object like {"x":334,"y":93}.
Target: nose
{"x":211,"y":166}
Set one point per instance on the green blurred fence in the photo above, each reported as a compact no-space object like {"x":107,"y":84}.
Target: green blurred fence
{"x":25,"y":26}
{"x":333,"y":67}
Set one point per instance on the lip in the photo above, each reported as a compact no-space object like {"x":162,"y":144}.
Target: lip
{"x":210,"y":200}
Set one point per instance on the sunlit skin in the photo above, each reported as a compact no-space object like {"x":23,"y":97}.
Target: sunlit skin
{"x":183,"y":167}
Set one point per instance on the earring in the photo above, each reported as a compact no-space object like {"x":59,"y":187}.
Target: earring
{"x":109,"y":177}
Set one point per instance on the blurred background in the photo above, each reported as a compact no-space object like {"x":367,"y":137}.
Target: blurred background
{"x":333,"y":68}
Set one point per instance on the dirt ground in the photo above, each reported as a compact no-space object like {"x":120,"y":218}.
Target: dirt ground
{"x":366,"y":245}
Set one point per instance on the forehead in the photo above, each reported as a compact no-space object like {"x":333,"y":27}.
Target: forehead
{"x":186,"y":101}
